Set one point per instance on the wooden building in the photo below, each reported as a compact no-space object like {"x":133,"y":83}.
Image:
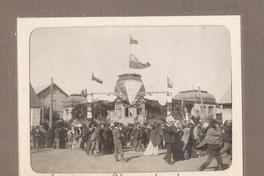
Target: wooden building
{"x":146,"y":111}
{"x":58,"y":97}
{"x":193,"y":103}
{"x":35,"y":108}
{"x":69,"y":103}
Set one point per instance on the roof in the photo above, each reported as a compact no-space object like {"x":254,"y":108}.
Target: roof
{"x":194,"y":96}
{"x":34,"y":100}
{"x":154,"y":104}
{"x":47,"y":87}
{"x":227,"y":96}
{"x":73,"y":99}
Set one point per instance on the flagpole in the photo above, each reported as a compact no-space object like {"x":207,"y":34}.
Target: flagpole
{"x":169,"y":99}
{"x":201,"y":99}
{"x":91,"y":95}
{"x":130,"y":70}
{"x":130,"y":51}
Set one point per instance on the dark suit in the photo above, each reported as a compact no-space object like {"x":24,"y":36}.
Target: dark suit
{"x":117,"y":144}
{"x":169,"y":137}
{"x":136,"y":137}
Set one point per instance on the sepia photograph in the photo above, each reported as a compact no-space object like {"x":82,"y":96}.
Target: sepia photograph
{"x":130,"y":95}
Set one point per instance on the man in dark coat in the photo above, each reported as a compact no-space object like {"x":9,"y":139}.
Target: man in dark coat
{"x":56,"y":143}
{"x":89,"y":141}
{"x":170,"y":131}
{"x":227,"y":148}
{"x":85,"y":135}
{"x":117,"y":142}
{"x":136,"y":137}
{"x":213,"y":142}
{"x":143,"y":135}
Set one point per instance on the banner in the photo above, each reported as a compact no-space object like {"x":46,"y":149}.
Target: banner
{"x":96,"y":79}
{"x":132,"y":41}
{"x":136,"y":64}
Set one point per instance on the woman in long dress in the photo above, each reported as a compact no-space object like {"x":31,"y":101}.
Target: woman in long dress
{"x":155,"y":139}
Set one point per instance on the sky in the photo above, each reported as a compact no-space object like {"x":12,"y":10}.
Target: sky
{"x":190,"y":56}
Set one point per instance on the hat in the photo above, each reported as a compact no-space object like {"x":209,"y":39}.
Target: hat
{"x":116,"y":124}
{"x":170,"y":119}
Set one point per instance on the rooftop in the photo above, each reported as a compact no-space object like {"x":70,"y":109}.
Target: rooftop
{"x":195,"y":96}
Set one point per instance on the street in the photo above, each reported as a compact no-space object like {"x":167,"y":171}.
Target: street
{"x":76,"y":161}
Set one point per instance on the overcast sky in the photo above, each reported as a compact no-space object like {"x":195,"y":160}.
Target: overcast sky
{"x":190,"y":56}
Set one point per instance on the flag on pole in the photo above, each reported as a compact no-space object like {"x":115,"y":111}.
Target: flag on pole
{"x":136,"y":64}
{"x":96,"y":79}
{"x":169,"y":83}
{"x":132,"y":41}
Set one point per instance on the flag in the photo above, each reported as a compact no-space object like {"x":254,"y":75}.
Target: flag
{"x":169,"y":83}
{"x":96,"y":79}
{"x":132,"y":41}
{"x":136,"y":64}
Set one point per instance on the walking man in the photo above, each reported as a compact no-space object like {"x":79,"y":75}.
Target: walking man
{"x":170,"y":131}
{"x":117,"y":143}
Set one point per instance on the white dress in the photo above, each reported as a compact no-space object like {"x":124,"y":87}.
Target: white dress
{"x":151,"y":150}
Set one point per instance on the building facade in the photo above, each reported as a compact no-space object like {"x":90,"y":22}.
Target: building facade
{"x":225,"y":105}
{"x":146,"y":111}
{"x":69,"y":103}
{"x":58,"y":97}
{"x":35,"y":108}
{"x":193,"y":103}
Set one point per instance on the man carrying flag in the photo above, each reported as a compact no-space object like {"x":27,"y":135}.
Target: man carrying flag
{"x":136,"y":64}
{"x":96,"y":79}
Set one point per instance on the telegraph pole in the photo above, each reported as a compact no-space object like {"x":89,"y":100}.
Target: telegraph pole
{"x":42,"y":114}
{"x":201,"y":99}
{"x":51,"y":105}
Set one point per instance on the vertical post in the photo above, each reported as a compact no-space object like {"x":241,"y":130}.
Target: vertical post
{"x":92,"y":105}
{"x":183,"y":110}
{"x":42,"y":120}
{"x":169,"y":102}
{"x":51,"y":105}
{"x":201,"y":99}
{"x":91,"y":98}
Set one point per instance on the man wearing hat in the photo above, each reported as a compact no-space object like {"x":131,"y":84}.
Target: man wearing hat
{"x":170,"y":131}
{"x":117,"y":142}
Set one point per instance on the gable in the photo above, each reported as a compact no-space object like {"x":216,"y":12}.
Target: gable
{"x":34,"y":100}
{"x":45,"y":92}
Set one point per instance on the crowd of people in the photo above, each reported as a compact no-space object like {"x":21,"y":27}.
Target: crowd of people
{"x":182,"y":139}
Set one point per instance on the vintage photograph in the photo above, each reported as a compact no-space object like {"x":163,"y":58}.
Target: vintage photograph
{"x":132,"y":98}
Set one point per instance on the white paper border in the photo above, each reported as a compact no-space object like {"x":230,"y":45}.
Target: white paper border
{"x":25,"y":26}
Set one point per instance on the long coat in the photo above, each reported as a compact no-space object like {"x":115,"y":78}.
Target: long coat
{"x":117,"y":136}
{"x":155,"y":137}
{"x":169,"y":133}
{"x":213,"y":136}
{"x":136,"y":133}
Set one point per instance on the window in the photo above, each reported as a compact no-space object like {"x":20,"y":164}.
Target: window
{"x":139,"y":111}
{"x":126,"y":112}
{"x":130,"y":112}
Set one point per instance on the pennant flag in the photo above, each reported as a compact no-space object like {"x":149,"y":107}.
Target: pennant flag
{"x":132,"y":41}
{"x":169,"y":83}
{"x":136,"y":64}
{"x":96,"y":79}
